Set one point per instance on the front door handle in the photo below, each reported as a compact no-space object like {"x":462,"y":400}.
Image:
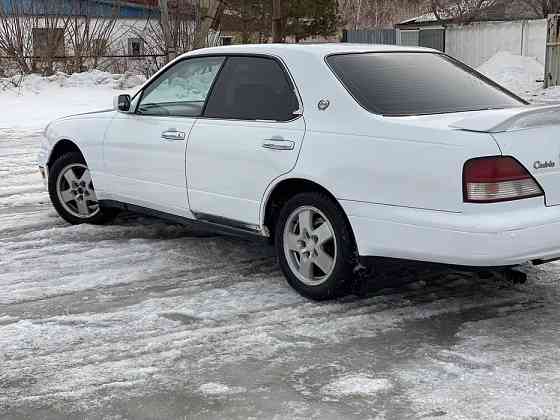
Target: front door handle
{"x":279,"y":144}
{"x":173,"y":135}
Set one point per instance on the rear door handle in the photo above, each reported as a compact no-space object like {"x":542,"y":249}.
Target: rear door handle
{"x":278,"y":144}
{"x":173,"y":135}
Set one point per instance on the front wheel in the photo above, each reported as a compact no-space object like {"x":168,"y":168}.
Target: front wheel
{"x":315,"y":246}
{"x":72,"y":193}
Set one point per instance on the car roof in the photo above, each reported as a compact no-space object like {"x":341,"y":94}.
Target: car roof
{"x":319,"y":50}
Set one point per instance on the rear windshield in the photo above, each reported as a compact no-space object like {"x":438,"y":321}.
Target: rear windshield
{"x":399,"y":84}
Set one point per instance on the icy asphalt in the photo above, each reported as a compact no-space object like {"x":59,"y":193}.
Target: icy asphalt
{"x":143,"y":319}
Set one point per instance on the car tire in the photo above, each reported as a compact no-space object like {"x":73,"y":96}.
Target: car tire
{"x":72,"y":194}
{"x":315,"y":246}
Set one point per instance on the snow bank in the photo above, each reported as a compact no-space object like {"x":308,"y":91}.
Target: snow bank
{"x":32,"y":101}
{"x":95,"y":78}
{"x":522,"y":75}
{"x":550,"y":95}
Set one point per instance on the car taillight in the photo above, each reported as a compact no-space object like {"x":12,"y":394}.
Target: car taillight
{"x":497,"y":178}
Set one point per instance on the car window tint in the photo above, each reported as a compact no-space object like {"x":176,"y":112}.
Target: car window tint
{"x":252,"y":88}
{"x":182,"y":90}
{"x":396,"y":84}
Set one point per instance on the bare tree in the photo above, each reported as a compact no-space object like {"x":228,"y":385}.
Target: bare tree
{"x":209,"y":21}
{"x":15,"y":35}
{"x":190,"y":25}
{"x":356,"y":14}
{"x":461,"y":10}
{"x":37,"y":34}
{"x":50,"y":21}
{"x":166,"y":29}
{"x":32,"y":33}
{"x":176,"y":33}
{"x":185,"y":18}
{"x":277,"y":35}
{"x":89,"y":32}
{"x":543,"y":8}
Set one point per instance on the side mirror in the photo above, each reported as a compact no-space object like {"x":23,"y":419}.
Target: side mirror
{"x":122,"y":103}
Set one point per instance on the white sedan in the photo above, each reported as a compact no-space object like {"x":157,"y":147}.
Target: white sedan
{"x":334,"y":152}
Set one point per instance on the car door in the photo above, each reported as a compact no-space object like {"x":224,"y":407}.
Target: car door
{"x":250,"y":133}
{"x":144,"y":150}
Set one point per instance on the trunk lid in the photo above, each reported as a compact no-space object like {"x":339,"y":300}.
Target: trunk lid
{"x":529,"y":134}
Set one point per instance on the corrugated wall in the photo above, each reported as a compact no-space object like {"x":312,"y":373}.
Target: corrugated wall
{"x":373,"y":36}
{"x":477,"y":42}
{"x":432,"y":38}
{"x":408,"y":38}
{"x":472,"y":44}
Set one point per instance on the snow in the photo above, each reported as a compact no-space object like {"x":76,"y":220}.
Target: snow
{"x":517,"y":73}
{"x":217,"y":389}
{"x":356,"y":385}
{"x":522,"y":75}
{"x":92,"y":79}
{"x":146,"y":319}
{"x":48,"y":98}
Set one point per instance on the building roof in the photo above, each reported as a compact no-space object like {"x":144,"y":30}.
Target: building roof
{"x":125,"y":8}
{"x":426,"y":17}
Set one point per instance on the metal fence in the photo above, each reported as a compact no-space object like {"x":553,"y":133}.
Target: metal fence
{"x":373,"y":36}
{"x":146,"y":64}
{"x":408,"y":38}
{"x":431,"y":38}
{"x":477,"y":42}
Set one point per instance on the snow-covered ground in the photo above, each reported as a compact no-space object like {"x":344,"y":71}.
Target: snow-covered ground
{"x":143,"y":319}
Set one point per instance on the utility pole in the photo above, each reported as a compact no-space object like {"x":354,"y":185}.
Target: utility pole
{"x":277,"y":21}
{"x":170,"y":52}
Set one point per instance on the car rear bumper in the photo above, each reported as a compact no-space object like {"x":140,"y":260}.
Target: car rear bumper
{"x":504,"y":235}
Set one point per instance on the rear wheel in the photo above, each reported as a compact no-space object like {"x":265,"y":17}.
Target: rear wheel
{"x":72,"y":192}
{"x":315,"y":246}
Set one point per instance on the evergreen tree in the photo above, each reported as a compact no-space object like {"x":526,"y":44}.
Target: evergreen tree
{"x":311,"y":18}
{"x":301,"y":19}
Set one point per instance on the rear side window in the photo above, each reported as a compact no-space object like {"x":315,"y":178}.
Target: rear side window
{"x":398,"y":84}
{"x":252,"y":88}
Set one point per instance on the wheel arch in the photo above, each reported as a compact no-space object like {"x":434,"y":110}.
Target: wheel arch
{"x":62,"y":147}
{"x":287,"y":188}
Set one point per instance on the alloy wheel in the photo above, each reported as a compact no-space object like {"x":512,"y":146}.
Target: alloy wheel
{"x":75,"y":191}
{"x":310,"y":245}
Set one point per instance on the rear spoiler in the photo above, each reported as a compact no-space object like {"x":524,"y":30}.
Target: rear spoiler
{"x":500,"y":120}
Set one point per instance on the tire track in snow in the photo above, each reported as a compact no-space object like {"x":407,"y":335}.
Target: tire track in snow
{"x":200,"y":340}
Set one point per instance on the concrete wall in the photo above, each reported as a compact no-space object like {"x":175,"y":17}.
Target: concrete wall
{"x":477,"y":42}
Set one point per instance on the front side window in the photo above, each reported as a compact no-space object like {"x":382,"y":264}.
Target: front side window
{"x":252,"y":88}
{"x":182,"y":90}
{"x":408,"y":83}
